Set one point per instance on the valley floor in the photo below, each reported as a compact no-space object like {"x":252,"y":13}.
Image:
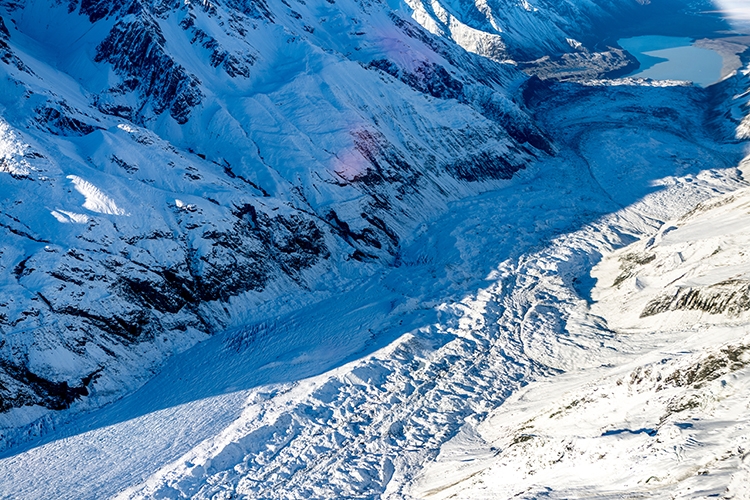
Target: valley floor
{"x":485,"y":365}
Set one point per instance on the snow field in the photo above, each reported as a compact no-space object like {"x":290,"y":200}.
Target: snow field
{"x":386,"y":382}
{"x":400,"y":395}
{"x":667,"y":420}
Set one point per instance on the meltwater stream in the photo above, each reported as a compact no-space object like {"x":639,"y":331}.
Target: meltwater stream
{"x":674,"y":58}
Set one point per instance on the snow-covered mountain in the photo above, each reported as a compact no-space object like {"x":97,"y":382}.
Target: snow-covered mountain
{"x":170,"y":168}
{"x":344,"y":233}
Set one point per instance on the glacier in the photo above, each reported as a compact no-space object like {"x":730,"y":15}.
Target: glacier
{"x":354,"y":249}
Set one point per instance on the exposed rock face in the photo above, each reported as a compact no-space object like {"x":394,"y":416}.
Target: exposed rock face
{"x":167,"y":167}
{"x":136,"y":51}
{"x":731,"y":297}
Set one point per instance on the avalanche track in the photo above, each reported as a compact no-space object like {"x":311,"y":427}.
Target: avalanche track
{"x":354,"y":395}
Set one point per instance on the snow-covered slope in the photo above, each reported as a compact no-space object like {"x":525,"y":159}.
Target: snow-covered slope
{"x":667,"y":421}
{"x":298,"y":186}
{"x":169,"y":169}
{"x":381,"y":391}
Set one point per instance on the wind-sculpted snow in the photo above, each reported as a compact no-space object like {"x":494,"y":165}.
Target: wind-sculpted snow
{"x":96,"y":200}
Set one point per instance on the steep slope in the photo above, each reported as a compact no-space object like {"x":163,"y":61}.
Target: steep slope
{"x":168,"y":168}
{"x":171,"y":168}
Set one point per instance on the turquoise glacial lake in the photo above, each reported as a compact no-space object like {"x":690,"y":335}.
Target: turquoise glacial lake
{"x":673,"y":58}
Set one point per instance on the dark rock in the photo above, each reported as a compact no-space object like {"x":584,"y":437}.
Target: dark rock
{"x":427,"y":78}
{"x":135,"y":48}
{"x":60,"y":124}
{"x":20,"y":387}
{"x":730,"y":297}
{"x":486,"y":165}
{"x":6,"y":54}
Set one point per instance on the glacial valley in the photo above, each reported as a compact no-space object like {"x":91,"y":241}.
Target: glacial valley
{"x":370,"y":249}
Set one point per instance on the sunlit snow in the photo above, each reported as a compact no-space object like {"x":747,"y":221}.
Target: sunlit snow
{"x":96,"y":200}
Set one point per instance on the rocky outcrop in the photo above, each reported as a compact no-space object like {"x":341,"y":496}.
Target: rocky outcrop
{"x":135,"y":49}
{"x":731,"y":297}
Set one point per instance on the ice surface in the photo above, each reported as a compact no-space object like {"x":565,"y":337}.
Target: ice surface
{"x":394,"y":387}
{"x":494,"y":342}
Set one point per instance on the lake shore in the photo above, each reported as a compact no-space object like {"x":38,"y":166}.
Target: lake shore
{"x":729,"y":49}
{"x":704,"y":61}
